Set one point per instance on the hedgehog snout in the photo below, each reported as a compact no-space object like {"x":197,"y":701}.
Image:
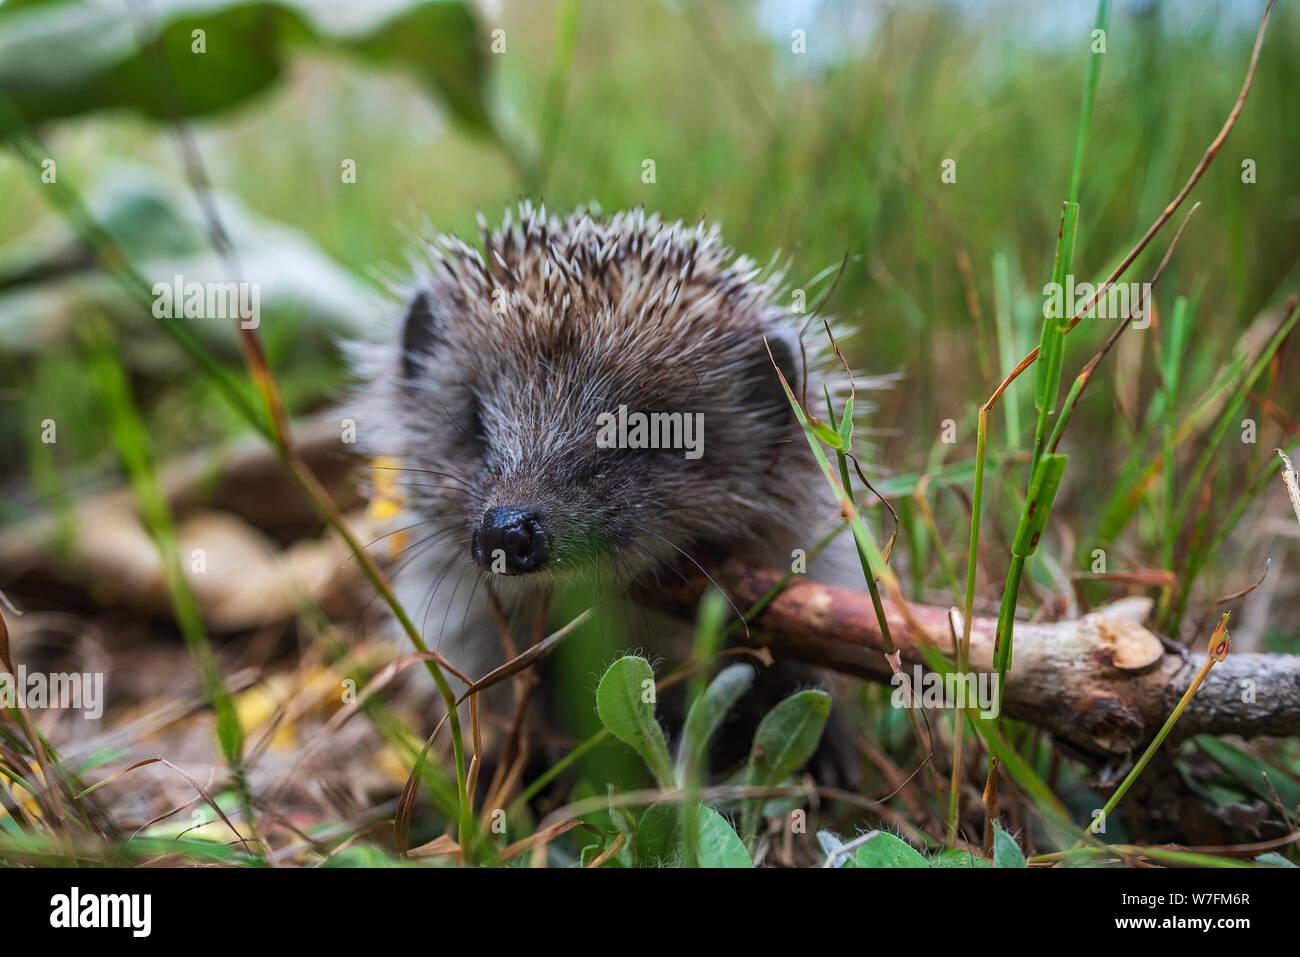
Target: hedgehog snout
{"x":510,"y":541}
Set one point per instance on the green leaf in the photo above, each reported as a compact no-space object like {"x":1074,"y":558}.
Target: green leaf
{"x":955,"y":857}
{"x":361,"y":856}
{"x":1006,"y":852}
{"x":656,"y":836}
{"x":708,"y":711}
{"x":625,"y":703}
{"x":786,"y":738}
{"x":1051,"y":345}
{"x":824,"y":432}
{"x":658,"y":839}
{"x":846,"y":425}
{"x":1249,"y":772}
{"x":1038,"y":508}
{"x":64,"y":59}
{"x":886,"y":850}
{"x":307,"y":302}
{"x":719,"y":844}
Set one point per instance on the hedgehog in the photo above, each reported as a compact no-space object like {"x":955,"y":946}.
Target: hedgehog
{"x":505,"y":368}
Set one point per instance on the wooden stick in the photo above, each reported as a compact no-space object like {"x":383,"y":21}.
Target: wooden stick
{"x":1103,"y":683}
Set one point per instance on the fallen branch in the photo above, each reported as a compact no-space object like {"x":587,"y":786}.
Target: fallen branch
{"x":1103,"y":683}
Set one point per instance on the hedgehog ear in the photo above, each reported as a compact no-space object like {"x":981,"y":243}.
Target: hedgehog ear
{"x":419,"y":334}
{"x":763,"y":392}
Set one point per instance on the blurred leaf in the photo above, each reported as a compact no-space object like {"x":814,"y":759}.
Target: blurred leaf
{"x":784,"y":804}
{"x":831,"y":844}
{"x":131,"y":435}
{"x":846,"y":425}
{"x":709,"y":710}
{"x":827,"y":434}
{"x":1249,"y":771}
{"x":63,"y":59}
{"x":1042,"y":494}
{"x":47,"y":281}
{"x":886,"y":850}
{"x":621,"y":702}
{"x":360,"y":855}
{"x":659,"y":834}
{"x":719,"y":844}
{"x":955,"y":857}
{"x":1006,"y":852}
{"x":787,"y":737}
{"x":1273,"y":859}
{"x":656,"y":836}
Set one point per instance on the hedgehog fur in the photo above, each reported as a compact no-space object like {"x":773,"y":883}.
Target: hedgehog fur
{"x":488,"y":384}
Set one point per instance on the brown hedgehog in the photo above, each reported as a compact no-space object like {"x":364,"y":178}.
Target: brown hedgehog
{"x":513,"y":365}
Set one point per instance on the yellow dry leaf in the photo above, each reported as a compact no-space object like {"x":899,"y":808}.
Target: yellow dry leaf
{"x":259,"y":704}
{"x":388,"y":500}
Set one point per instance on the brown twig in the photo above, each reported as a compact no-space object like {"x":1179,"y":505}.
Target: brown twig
{"x":1104,"y":683}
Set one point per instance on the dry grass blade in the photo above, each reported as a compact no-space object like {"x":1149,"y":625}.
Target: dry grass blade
{"x":189,"y":779}
{"x":406,"y":803}
{"x":353,"y":708}
{"x":44,"y":761}
{"x":529,"y":657}
{"x":1242,"y":593}
{"x":539,"y":839}
{"x":440,"y":846}
{"x":1145,"y":577}
{"x":615,"y":846}
{"x":990,"y":804}
{"x":1289,"y":479}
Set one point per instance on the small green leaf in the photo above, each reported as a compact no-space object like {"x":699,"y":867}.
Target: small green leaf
{"x":1051,"y":346}
{"x":625,"y":703}
{"x":846,"y":425}
{"x":1006,"y":852}
{"x":955,"y":857}
{"x":656,"y":836}
{"x":361,"y":856}
{"x":1042,"y":495}
{"x":709,"y":710}
{"x":719,"y":844}
{"x":786,"y":738}
{"x":827,"y":434}
{"x":658,"y":839}
{"x":885,"y":850}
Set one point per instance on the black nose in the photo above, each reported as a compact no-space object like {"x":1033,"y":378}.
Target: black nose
{"x":510,"y":541}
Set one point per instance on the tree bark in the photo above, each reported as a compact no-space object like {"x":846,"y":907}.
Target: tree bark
{"x":1103,"y":683}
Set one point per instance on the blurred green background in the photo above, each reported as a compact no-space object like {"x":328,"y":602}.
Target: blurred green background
{"x":447,"y":109}
{"x":813,"y":129}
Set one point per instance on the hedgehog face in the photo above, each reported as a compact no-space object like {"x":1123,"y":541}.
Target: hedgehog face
{"x":601,"y":401}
